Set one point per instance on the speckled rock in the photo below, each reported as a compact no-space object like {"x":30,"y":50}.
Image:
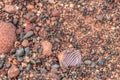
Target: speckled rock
{"x":7,"y":36}
{"x":47,"y":48}
{"x":10,"y":8}
{"x":13,"y":71}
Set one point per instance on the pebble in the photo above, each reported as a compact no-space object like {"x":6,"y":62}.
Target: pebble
{"x":25,"y":43}
{"x":13,"y":71}
{"x":30,"y":7}
{"x":8,"y":65}
{"x":28,"y":34}
{"x":1,"y":63}
{"x":29,"y":66}
{"x":113,"y":52}
{"x":100,"y":17}
{"x":15,"y":21}
{"x":47,"y":48}
{"x":2,"y":56}
{"x":33,"y":61}
{"x":20,"y":68}
{"x":43,"y":70}
{"x":101,"y":62}
{"x":28,"y":27}
{"x":10,"y":8}
{"x":30,"y":16}
{"x":21,"y":36}
{"x":88,"y":62}
{"x":55,"y":13}
{"x":27,"y":51}
{"x":20,"y":52}
{"x":20,"y":59}
{"x":55,"y":66}
{"x":92,"y":64}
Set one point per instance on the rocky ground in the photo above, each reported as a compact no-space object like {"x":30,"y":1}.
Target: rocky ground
{"x":44,"y":28}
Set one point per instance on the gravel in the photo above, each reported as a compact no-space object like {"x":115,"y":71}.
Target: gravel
{"x":47,"y":28}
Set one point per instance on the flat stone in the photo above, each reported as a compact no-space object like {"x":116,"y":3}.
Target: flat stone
{"x":10,"y":8}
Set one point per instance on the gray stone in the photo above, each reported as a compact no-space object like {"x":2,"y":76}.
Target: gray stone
{"x":28,"y":34}
{"x":20,"y":59}
{"x":27,"y":51}
{"x":55,"y":66}
{"x":20,"y":52}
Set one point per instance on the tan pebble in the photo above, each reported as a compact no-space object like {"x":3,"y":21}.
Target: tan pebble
{"x":15,"y":62}
{"x":24,"y":64}
{"x":31,"y":75}
{"x":47,"y":48}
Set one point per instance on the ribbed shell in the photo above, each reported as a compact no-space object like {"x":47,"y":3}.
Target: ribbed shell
{"x":69,"y":57}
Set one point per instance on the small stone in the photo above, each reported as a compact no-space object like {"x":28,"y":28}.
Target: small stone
{"x":20,"y":68}
{"x":28,"y":67}
{"x":100,"y":17}
{"x":55,"y":66}
{"x":28,"y":34}
{"x":88,"y":62}
{"x":20,"y":52}
{"x":1,"y":63}
{"x":10,"y":8}
{"x":55,"y":13}
{"x":21,"y":36}
{"x":15,"y":21}
{"x":92,"y":64}
{"x":28,"y":27}
{"x":31,"y":75}
{"x":2,"y":56}
{"x":13,"y":71}
{"x":20,"y":59}
{"x":30,"y":7}
{"x":47,"y":48}
{"x":51,"y":1}
{"x":19,"y":30}
{"x":25,"y":43}
{"x":43,"y":70}
{"x":30,"y":16}
{"x":101,"y":62}
{"x":27,"y":51}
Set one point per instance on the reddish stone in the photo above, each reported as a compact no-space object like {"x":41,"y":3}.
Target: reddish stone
{"x":28,"y":27}
{"x":30,"y":7}
{"x":10,"y":8}
{"x":19,"y":30}
{"x":13,"y":71}
{"x":25,"y":43}
{"x":55,"y":13}
{"x":7,"y":37}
